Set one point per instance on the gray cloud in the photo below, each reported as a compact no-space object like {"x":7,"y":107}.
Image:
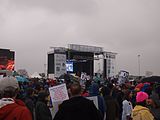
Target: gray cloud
{"x":129,"y":28}
{"x":60,"y":6}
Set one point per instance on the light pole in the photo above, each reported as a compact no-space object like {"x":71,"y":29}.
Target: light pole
{"x":139,"y":66}
{"x":45,"y":72}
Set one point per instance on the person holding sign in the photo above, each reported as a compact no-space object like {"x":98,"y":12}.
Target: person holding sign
{"x":77,"y":107}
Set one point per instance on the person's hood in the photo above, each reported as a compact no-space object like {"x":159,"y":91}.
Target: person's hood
{"x":156,"y":99}
{"x":146,"y":86}
{"x":139,"y":86}
{"x":94,"y":89}
{"x":138,"y":109}
{"x":106,"y":91}
{"x":7,"y":105}
{"x":6,"y":101}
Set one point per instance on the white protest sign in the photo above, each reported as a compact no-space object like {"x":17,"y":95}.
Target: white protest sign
{"x":123,"y":77}
{"x":94,"y":99}
{"x":58,"y":93}
{"x":83,"y":76}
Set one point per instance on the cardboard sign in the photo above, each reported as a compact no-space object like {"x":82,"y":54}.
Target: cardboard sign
{"x":123,"y":77}
{"x":58,"y":93}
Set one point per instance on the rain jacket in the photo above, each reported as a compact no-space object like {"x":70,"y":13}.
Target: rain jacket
{"x":94,"y":91}
{"x":13,"y":110}
{"x":42,"y":111}
{"x":77,"y":108}
{"x":141,"y":113}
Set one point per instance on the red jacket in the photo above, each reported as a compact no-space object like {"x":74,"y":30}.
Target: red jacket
{"x":15,"y":111}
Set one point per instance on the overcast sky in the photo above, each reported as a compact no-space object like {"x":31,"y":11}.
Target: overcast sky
{"x":127,"y":27}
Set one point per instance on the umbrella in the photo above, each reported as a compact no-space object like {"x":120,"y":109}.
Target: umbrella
{"x":151,"y":79}
{"x":68,"y":77}
{"x":36,"y":75}
{"x":21,"y":79}
{"x":96,"y":79}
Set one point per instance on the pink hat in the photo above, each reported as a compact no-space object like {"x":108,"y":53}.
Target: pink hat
{"x":141,"y":96}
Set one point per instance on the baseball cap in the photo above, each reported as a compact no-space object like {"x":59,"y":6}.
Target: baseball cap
{"x":141,"y":96}
{"x":8,"y":82}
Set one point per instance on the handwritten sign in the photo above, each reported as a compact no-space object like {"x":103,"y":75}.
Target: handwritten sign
{"x":58,"y":93}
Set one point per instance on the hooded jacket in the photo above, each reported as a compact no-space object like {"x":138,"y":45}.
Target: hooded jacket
{"x":155,"y":110}
{"x":42,"y":111}
{"x":94,"y":91}
{"x":78,"y":108}
{"x":13,"y":110}
{"x":141,"y":113}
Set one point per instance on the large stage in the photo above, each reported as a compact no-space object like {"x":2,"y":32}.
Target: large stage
{"x":76,"y":59}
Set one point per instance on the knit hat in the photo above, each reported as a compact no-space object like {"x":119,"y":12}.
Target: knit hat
{"x":42,"y":95}
{"x":8,"y":82}
{"x":141,"y":96}
{"x":139,"y":86}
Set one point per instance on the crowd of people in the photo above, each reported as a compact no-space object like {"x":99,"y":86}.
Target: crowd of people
{"x":31,"y":100}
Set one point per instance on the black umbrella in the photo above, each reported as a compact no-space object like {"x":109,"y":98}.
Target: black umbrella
{"x":65,"y":76}
{"x":68,"y":77}
{"x":151,"y":79}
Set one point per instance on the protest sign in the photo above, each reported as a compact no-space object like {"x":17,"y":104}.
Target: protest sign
{"x":58,"y":93}
{"x":83,"y":76}
{"x":123,"y":77}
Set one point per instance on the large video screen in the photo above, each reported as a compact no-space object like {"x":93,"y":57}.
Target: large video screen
{"x":69,"y":66}
{"x":6,"y":59}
